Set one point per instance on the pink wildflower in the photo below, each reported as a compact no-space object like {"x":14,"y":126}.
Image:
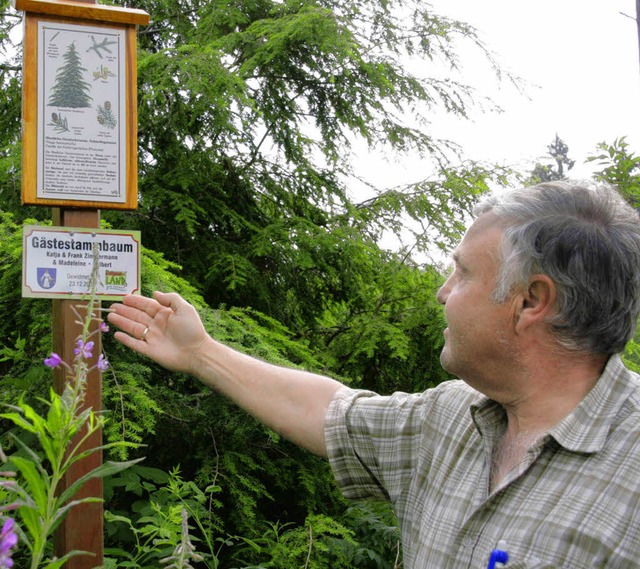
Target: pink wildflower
{"x":54,"y":360}
{"x":103,"y":363}
{"x":8,"y":541}
{"x":83,"y":350}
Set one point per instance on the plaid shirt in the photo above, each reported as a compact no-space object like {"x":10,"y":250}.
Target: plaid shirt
{"x":573,"y":502}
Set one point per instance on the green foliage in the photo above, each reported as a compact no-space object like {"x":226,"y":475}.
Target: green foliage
{"x":631,"y":354}
{"x":247,"y":113}
{"x":39,"y":506}
{"x":11,"y":86}
{"x":25,"y":334}
{"x":312,"y":545}
{"x":620,"y":167}
{"x":184,"y":552}
{"x":376,"y":534}
{"x":152,"y":530}
{"x":559,"y":153}
{"x":256,"y":468}
{"x":134,"y":412}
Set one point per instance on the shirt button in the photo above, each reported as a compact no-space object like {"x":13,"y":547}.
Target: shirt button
{"x":468,"y":541}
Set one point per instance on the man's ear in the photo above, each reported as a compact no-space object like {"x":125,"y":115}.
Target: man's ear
{"x":537,"y":302}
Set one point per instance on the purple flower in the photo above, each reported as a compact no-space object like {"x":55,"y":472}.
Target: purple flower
{"x":83,"y":350}
{"x":104,"y":327}
{"x":54,"y":360}
{"x":103,"y":363}
{"x":8,"y":540}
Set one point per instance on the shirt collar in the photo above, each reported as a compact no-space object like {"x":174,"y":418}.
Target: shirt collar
{"x":586,"y":428}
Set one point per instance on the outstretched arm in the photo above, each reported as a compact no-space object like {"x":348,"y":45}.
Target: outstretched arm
{"x":168,"y":330}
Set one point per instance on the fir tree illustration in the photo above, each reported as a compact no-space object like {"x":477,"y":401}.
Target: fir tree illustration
{"x":70,"y":90}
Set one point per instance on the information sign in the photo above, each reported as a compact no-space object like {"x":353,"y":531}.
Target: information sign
{"x":81,"y":113}
{"x":58,"y":261}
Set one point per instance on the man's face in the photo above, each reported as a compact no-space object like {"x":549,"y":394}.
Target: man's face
{"x":479,"y":330}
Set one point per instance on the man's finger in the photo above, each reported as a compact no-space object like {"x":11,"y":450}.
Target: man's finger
{"x":121,"y":312}
{"x":129,"y":341}
{"x":169,"y":299}
{"x":142,"y":303}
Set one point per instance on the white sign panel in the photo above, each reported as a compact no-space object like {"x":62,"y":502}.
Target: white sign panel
{"x":57,"y":262}
{"x":81,"y":113}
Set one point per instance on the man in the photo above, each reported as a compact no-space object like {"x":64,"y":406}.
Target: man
{"x":536,"y":446}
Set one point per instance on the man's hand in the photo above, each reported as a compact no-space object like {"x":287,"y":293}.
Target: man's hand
{"x":165,"y":328}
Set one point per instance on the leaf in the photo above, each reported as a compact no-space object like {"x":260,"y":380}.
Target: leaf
{"x":31,"y":520}
{"x":107,"y":468}
{"x":33,"y":455}
{"x":37,"y":486}
{"x":61,"y":511}
{"x":117,"y":518}
{"x":20,"y":421}
{"x":57,"y":563}
{"x":30,"y":413}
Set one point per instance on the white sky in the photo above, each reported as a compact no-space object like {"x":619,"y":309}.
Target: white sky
{"x":580,"y":61}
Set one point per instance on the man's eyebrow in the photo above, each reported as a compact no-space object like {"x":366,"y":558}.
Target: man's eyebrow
{"x":457,"y":259}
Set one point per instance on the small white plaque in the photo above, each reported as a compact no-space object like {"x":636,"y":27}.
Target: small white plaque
{"x":57,"y":262}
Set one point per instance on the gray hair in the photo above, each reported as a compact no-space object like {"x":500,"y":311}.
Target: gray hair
{"x":587,"y":240}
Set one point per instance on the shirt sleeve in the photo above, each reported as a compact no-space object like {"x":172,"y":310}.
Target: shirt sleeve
{"x":373,"y":442}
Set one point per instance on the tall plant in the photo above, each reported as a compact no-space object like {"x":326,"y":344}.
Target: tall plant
{"x":48,"y":445}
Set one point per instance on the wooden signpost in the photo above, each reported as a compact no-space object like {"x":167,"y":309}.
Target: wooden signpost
{"x":79,"y":153}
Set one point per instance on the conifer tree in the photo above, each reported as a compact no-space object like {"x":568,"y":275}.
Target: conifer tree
{"x":559,"y":152}
{"x":70,"y":90}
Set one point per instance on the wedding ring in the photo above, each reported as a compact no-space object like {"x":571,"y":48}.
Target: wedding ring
{"x":144,"y":334}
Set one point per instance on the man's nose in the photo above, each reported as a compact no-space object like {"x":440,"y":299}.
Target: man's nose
{"x":443,"y":293}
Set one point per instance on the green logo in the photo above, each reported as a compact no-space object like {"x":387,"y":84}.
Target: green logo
{"x":116,"y":278}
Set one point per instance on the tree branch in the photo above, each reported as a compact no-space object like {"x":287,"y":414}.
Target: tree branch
{"x":7,"y":67}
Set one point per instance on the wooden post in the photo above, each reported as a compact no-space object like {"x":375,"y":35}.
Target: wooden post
{"x":83,"y":527}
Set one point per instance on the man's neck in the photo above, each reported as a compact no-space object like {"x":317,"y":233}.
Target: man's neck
{"x":549,"y":395}
{"x":553,"y":388}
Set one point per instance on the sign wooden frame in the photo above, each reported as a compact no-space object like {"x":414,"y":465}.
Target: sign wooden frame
{"x":81,"y":180}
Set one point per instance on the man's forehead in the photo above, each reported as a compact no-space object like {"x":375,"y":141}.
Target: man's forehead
{"x":482,"y":227}
{"x":483,"y":237}
{"x":486,"y":221}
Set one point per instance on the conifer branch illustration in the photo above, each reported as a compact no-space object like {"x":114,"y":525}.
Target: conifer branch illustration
{"x":59,"y":123}
{"x":106,"y":116}
{"x":99,"y":46}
